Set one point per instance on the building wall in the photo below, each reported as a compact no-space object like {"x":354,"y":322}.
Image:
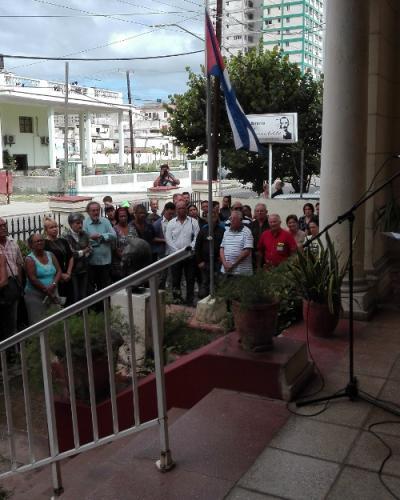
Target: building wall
{"x":241,"y":25}
{"x":26,"y":143}
{"x":296,"y":27}
{"x":383,"y":122}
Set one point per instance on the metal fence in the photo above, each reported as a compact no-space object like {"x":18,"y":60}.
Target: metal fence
{"x":11,"y":461}
{"x":20,"y":227}
{"x":196,"y":200}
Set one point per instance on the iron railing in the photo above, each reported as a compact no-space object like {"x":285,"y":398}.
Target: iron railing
{"x":20,"y":227}
{"x":41,"y":331}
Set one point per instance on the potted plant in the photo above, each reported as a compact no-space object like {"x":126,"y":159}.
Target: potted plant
{"x":387,"y":217}
{"x":318,"y":278}
{"x":255,"y":305}
{"x":96,"y":328}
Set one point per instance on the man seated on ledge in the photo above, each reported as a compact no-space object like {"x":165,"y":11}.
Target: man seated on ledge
{"x":166,"y":178}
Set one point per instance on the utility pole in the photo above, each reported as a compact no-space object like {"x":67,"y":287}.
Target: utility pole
{"x":132,"y":145}
{"x":66,"y":116}
{"x":216,"y":101}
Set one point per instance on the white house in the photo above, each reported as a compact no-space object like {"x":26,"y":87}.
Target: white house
{"x":27,"y":118}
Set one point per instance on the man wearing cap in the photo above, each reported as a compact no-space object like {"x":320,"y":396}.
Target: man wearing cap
{"x":101,"y":234}
{"x":79,"y":242}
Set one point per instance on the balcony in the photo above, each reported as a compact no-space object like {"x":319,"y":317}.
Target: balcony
{"x":52,"y":89}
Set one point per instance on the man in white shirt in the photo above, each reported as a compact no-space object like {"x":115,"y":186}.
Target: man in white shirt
{"x":236,"y":247}
{"x":181,"y":232}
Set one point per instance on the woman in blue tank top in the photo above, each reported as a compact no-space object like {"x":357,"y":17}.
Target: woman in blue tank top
{"x":43,"y":273}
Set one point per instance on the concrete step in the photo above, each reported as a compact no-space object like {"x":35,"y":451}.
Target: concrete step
{"x":213,"y":444}
{"x":36,"y":484}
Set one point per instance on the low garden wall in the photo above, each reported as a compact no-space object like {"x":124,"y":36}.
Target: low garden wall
{"x":37,"y":184}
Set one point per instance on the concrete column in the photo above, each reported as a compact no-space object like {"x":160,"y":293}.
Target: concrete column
{"x":121,"y":139}
{"x":1,"y":145}
{"x":52,"y":138}
{"x":82,"y":137}
{"x":88,"y":130}
{"x":344,"y":134}
{"x":344,"y":124}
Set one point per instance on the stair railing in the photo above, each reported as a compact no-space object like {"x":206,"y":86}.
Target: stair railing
{"x":40,"y":330}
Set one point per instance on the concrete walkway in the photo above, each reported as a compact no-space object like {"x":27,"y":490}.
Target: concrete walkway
{"x":18,"y":208}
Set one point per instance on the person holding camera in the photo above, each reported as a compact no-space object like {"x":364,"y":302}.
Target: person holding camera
{"x":166,"y":178}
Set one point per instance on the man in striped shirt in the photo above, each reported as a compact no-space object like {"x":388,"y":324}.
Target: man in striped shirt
{"x":236,"y":247}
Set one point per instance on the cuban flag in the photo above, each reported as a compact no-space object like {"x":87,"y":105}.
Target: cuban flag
{"x":243,"y":133}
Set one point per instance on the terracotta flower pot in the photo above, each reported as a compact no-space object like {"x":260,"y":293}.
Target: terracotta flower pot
{"x":321,"y":322}
{"x":256,"y":325}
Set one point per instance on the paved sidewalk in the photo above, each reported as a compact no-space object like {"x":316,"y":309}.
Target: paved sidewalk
{"x":23,"y":208}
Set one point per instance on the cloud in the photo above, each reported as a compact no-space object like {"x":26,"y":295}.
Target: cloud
{"x":97,"y":37}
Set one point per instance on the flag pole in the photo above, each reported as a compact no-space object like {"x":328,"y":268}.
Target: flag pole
{"x":210,"y":159}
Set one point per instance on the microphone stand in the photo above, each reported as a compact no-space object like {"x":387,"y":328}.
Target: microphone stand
{"x":351,"y":390}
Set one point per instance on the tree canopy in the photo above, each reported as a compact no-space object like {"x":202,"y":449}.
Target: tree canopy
{"x":264,"y":82}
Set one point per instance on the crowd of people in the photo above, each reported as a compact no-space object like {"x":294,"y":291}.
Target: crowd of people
{"x":88,"y":256}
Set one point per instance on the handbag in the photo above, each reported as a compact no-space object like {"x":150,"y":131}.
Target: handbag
{"x":11,"y":292}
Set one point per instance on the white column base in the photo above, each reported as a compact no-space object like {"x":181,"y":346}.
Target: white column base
{"x":364,"y":299}
{"x":142,"y":323}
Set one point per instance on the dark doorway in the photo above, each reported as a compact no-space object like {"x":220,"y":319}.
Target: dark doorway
{"x":21,"y":162}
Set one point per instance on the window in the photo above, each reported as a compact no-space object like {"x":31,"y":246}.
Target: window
{"x":287,"y":7}
{"x":25,"y":125}
{"x":287,"y":44}
{"x":288,"y":19}
{"x":165,"y":114}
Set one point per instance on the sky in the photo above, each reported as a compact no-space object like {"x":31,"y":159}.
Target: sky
{"x":129,"y":30}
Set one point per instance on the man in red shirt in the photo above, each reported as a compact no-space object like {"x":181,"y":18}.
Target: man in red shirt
{"x":275,"y":244}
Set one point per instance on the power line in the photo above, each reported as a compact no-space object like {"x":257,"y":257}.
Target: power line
{"x":125,"y":2}
{"x":91,"y":48}
{"x":82,"y":16}
{"x":49,"y":58}
{"x":53,"y":4}
{"x":174,"y":5}
{"x":108,"y":16}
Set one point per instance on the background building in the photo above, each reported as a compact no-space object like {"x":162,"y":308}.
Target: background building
{"x":241,"y":25}
{"x":296,"y":27}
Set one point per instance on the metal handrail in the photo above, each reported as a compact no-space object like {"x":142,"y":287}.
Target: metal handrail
{"x":41,"y":330}
{"x":131,"y":280}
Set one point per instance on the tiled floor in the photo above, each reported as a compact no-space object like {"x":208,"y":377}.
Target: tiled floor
{"x":332,"y":455}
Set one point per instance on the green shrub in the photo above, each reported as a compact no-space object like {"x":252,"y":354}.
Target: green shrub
{"x":180,"y":338}
{"x":56,"y":339}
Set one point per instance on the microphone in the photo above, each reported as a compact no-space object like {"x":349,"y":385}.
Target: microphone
{"x":396,"y":155}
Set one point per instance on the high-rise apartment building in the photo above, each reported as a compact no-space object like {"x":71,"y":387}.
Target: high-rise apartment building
{"x":296,"y":27}
{"x":241,"y":24}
